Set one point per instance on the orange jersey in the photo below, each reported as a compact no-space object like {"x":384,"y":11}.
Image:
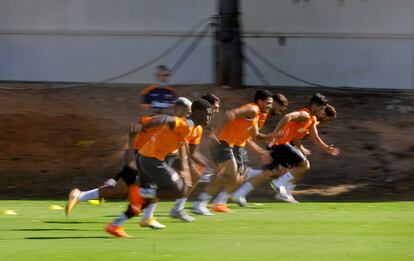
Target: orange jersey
{"x":260,"y":124}
{"x":144,"y":136}
{"x":167,"y":140}
{"x":236,"y":132}
{"x":301,"y":135}
{"x":262,"y":120}
{"x":195,"y":136}
{"x":294,"y":129}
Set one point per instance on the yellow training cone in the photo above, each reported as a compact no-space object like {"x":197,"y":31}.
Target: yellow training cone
{"x":55,"y":207}
{"x":9,"y":212}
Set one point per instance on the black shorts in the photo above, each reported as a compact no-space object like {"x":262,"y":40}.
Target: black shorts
{"x":286,"y":155}
{"x":154,"y":173}
{"x":173,"y":160}
{"x":223,"y":151}
{"x":240,"y":154}
{"x":128,"y":175}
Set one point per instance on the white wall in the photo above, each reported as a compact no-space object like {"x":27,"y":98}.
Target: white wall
{"x":361,"y":43}
{"x":93,"y":40}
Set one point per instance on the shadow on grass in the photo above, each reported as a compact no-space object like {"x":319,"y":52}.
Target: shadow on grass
{"x":47,"y":229}
{"x":72,"y":237}
{"x":72,"y":222}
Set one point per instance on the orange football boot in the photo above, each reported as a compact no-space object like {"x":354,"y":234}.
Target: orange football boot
{"x":117,"y":231}
{"x":221,"y":208}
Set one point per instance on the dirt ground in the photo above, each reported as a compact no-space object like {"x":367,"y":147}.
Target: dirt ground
{"x":53,"y":139}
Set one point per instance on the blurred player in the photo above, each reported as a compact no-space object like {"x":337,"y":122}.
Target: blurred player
{"x":153,"y":171}
{"x":286,"y":157}
{"x":238,"y":128}
{"x":197,"y":161}
{"x":282,"y":185}
{"x":118,"y":187}
{"x":159,"y":97}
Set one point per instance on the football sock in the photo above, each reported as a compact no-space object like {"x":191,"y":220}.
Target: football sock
{"x":251,"y":173}
{"x":87,"y":195}
{"x":119,"y":221}
{"x":283,"y":179}
{"x":180,"y":204}
{"x":244,"y":190}
{"x":221,"y":198}
{"x":149,"y":211}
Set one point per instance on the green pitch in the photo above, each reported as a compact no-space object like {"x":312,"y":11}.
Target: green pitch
{"x":272,"y":231}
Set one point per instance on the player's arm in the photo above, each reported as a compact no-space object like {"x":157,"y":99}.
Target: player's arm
{"x":131,"y":137}
{"x":263,"y":137}
{"x":257,"y":135}
{"x":197,"y":157}
{"x":298,"y":143}
{"x":262,"y":153}
{"x":316,"y":139}
{"x":156,"y":121}
{"x":184,"y":167}
{"x":293,"y":116}
{"x":248,"y":112}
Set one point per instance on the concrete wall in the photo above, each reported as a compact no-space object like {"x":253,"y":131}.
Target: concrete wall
{"x":360,"y":43}
{"x":78,"y":40}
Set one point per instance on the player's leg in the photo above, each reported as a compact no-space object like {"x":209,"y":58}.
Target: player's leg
{"x":240,"y":156}
{"x":177,"y":210}
{"x":165,"y":177}
{"x":119,"y":189}
{"x":239,"y":196}
{"x":134,"y":208}
{"x":230,"y":180}
{"x":224,"y":156}
{"x":291,"y":158}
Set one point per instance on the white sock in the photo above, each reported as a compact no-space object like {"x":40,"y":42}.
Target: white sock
{"x":222,"y":198}
{"x":283,"y":179}
{"x":251,"y":173}
{"x":87,"y":195}
{"x":290,"y":187}
{"x":180,"y":204}
{"x":149,"y":211}
{"x":205,"y":197}
{"x":244,"y":190}
{"x":119,"y":221}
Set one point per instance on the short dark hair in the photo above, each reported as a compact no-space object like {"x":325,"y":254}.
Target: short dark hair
{"x":200,"y":104}
{"x":330,"y":111}
{"x":262,"y":95}
{"x":162,"y":67}
{"x":281,"y":99}
{"x":211,"y":98}
{"x":318,"y":98}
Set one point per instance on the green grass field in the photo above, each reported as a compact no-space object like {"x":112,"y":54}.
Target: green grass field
{"x":269,"y":231}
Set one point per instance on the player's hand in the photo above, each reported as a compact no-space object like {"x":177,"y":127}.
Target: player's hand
{"x":135,"y":128}
{"x":133,"y":164}
{"x":306,"y":152}
{"x":333,"y":150}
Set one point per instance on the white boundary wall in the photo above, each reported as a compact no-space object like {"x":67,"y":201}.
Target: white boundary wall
{"x":360,"y":43}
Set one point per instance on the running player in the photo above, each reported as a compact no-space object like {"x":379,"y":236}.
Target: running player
{"x":238,"y":128}
{"x":153,"y":171}
{"x":291,"y":126}
{"x":118,"y":187}
{"x":282,"y":185}
{"x":197,"y":161}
